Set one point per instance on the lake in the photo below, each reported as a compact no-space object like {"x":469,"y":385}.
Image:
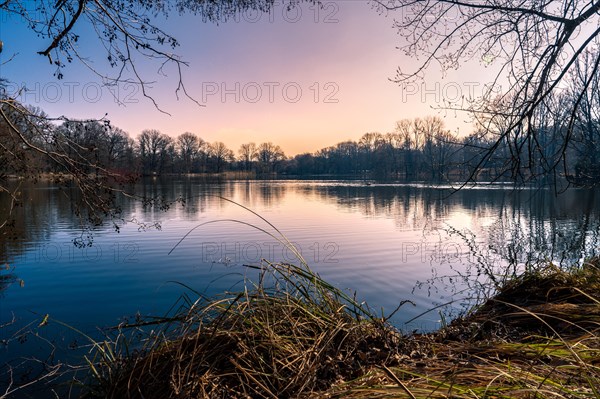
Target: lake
{"x":384,"y":242}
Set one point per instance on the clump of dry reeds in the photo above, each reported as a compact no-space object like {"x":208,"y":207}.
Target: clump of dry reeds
{"x":290,"y":335}
{"x":539,"y":337}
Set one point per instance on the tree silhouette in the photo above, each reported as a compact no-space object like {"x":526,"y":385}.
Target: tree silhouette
{"x":533,"y":45}
{"x":127,"y":35}
{"x":247,"y":154}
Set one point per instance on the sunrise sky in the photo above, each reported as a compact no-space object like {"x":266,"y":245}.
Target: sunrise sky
{"x":302,"y":79}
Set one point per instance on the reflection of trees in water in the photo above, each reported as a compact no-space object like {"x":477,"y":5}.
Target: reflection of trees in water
{"x":7,"y":277}
{"x":564,"y":229}
{"x":201,"y":194}
{"x":259,"y":194}
{"x":528,"y":225}
{"x":193,"y":192}
{"x":411,"y":207}
{"x":43,"y":207}
{"x":31,"y":221}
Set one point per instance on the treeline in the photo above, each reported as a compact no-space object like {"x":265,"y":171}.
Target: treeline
{"x":156,"y":153}
{"x":559,"y":139}
{"x":415,"y":149}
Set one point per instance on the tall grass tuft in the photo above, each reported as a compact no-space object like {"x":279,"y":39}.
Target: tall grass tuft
{"x":294,"y":335}
{"x":288,"y":335}
{"x":538,"y":337}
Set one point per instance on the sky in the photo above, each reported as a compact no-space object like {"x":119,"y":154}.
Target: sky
{"x":303,"y":79}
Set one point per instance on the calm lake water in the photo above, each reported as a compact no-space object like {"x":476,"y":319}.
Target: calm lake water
{"x":386,"y":242}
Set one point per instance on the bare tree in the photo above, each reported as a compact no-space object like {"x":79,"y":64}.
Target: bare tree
{"x":586,"y":134}
{"x":126,"y":31}
{"x":533,"y":44}
{"x":117,"y":149}
{"x":188,"y":146}
{"x":404,"y":132}
{"x":153,"y":148}
{"x":346,"y":156}
{"x":33,"y":145}
{"x":267,"y":155}
{"x":247,"y":154}
{"x":367,"y":145}
{"x":220,"y":155}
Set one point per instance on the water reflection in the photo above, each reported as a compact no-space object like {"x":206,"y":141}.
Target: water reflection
{"x":7,"y":277}
{"x":379,"y":241}
{"x":517,"y":226}
{"x":507,"y":228}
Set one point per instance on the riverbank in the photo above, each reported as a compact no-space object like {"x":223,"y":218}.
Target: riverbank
{"x":294,"y":335}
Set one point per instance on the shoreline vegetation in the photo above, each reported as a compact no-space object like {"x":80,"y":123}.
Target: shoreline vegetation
{"x":293,"y":335}
{"x":366,"y":178}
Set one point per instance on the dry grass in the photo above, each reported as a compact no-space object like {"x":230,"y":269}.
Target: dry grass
{"x":300,"y":337}
{"x":539,"y":337}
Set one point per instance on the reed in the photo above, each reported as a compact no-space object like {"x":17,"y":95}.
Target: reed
{"x":538,"y":337}
{"x":294,"y":335}
{"x":290,"y":334}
